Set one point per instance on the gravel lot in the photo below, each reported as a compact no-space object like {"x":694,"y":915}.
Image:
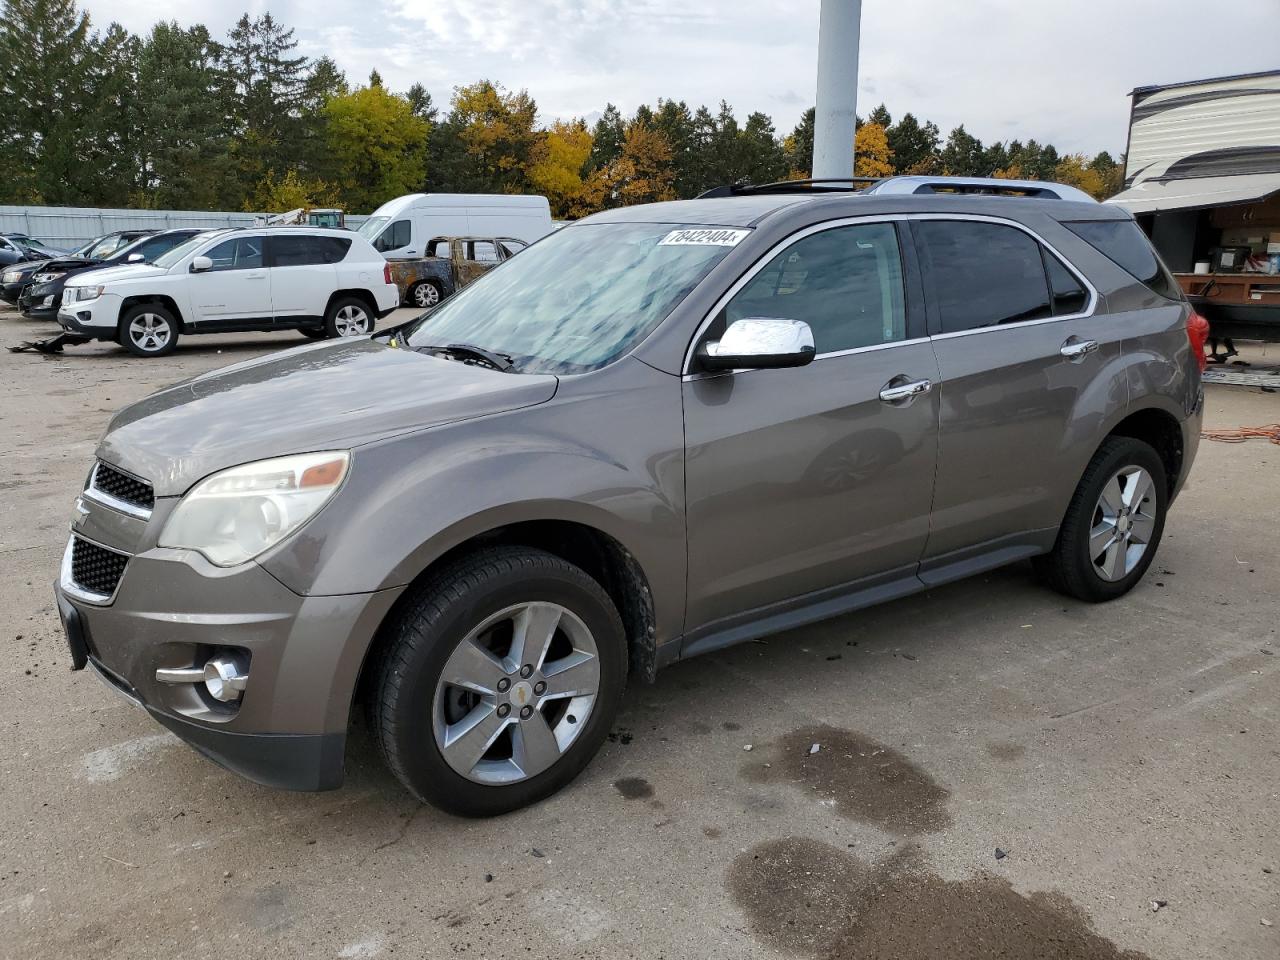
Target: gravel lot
{"x":1117,"y":755}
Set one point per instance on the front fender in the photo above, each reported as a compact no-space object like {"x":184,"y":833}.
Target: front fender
{"x":607,"y":452}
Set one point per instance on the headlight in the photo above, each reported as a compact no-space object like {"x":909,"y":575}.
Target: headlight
{"x":77,"y":294}
{"x":235,"y":515}
{"x":13,"y":276}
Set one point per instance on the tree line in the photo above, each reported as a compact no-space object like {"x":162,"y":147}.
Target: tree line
{"x":178,"y":119}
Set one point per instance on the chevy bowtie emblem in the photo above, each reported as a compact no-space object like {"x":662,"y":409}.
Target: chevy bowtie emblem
{"x":81,"y":507}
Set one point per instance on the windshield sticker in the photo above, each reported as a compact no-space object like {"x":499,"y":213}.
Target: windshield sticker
{"x":704,"y":237}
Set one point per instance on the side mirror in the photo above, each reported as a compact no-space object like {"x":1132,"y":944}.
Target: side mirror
{"x":759,"y":343}
{"x":201,"y":265}
{"x":134,"y":258}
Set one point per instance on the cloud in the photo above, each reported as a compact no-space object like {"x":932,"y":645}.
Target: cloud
{"x":1004,"y":68}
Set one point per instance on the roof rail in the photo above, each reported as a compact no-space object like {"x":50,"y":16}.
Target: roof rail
{"x":825,"y":185}
{"x":982,"y":186}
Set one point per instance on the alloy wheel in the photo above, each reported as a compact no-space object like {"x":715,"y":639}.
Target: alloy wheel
{"x":425,"y":295}
{"x":1124,"y":521}
{"x":150,"y":332}
{"x":351,"y":321}
{"x":516,"y":693}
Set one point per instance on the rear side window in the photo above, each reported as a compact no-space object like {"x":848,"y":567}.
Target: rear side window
{"x":1069,"y":295}
{"x":482,"y":251}
{"x":982,"y":274}
{"x":299,"y":251}
{"x":1124,"y":244}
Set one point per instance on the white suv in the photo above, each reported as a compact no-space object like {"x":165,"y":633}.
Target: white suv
{"x":323,"y":283}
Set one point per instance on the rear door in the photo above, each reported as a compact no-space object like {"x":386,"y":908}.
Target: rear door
{"x":478,"y":257}
{"x":303,"y":273}
{"x":237,"y":289}
{"x":1024,"y":352}
{"x":814,"y":478}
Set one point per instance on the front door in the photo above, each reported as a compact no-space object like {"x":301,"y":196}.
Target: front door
{"x":805,"y":480}
{"x":1024,"y":365}
{"x":236,"y":289}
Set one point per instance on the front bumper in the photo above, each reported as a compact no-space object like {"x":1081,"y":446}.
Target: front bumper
{"x":95,"y":319}
{"x":40,"y":304}
{"x":172,"y":609}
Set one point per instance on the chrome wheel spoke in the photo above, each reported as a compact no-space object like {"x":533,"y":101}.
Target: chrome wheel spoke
{"x":1136,"y":489}
{"x":1101,"y":537}
{"x":577,"y":675}
{"x":1111,"y":568}
{"x":533,"y":745}
{"x":1126,"y":523}
{"x":533,"y":629}
{"x":473,"y":668}
{"x":464,"y":743}
{"x":1112,"y":499}
{"x":1143,"y":529}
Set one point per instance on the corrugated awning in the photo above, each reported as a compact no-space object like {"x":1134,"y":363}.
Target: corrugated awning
{"x":1152,"y":196}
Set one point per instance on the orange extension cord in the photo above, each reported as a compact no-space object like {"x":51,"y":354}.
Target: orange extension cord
{"x":1240,"y":434}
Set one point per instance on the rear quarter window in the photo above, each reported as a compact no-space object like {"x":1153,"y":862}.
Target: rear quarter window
{"x":1124,"y":244}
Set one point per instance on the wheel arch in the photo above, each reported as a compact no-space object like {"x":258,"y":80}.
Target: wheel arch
{"x":163,"y":300}
{"x":364,"y":296}
{"x":1160,"y":429}
{"x":601,"y":556}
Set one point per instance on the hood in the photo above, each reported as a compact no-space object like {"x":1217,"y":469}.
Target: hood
{"x":65,"y":263}
{"x":128,"y":271}
{"x":329,"y":396}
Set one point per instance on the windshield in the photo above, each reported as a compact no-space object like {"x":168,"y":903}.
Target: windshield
{"x":371,"y":227}
{"x":107,"y":246}
{"x":167,"y":260}
{"x":581,"y":297}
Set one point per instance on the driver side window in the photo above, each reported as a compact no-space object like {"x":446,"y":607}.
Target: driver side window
{"x":845,"y":283}
{"x":239,"y":253}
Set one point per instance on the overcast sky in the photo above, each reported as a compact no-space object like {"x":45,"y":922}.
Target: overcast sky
{"x":1058,"y":72}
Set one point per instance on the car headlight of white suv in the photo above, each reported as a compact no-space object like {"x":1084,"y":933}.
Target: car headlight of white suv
{"x":78,"y":294}
{"x":235,"y":515}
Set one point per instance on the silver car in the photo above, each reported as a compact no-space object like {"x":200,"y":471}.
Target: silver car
{"x":657,"y":432}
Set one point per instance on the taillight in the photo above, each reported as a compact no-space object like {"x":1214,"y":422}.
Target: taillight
{"x":1198,"y":334}
{"x":386,"y":273}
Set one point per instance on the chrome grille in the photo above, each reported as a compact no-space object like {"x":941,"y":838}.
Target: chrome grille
{"x":95,"y":569}
{"x":121,"y":486}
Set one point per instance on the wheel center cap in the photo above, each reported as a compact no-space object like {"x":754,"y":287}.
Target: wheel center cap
{"x":521,"y":693}
{"x":1123,"y":524}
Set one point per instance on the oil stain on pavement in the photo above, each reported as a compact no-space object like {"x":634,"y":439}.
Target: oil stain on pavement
{"x":865,"y":780}
{"x":634,"y":788}
{"x":806,"y":897}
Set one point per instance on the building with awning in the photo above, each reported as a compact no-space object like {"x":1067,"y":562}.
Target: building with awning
{"x":1202,"y":177}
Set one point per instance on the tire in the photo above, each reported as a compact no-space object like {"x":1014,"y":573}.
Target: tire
{"x":313,"y":333}
{"x":1088,"y":561}
{"x":424,"y":294}
{"x":348,"y":317}
{"x":148,"y":330}
{"x":422,"y":722}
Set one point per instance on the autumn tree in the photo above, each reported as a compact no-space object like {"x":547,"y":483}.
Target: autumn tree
{"x":1074,"y":169}
{"x":642,"y":173}
{"x":496,"y":130}
{"x":556,"y":170}
{"x":871,"y":154}
{"x":378,"y":146}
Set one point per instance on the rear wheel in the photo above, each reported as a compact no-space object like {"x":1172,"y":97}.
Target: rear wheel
{"x":425,"y":294}
{"x":348,"y":317}
{"x":1113,"y":525}
{"x":148,"y":330}
{"x":501,"y":680}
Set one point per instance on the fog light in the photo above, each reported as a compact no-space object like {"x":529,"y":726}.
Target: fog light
{"x":223,"y":676}
{"x":224,"y":679}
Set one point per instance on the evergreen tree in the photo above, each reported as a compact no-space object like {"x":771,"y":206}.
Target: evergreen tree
{"x":799,"y":146}
{"x":962,"y":155}
{"x":881,"y":116}
{"x":762,"y":154}
{"x":607,"y":138}
{"x":45,"y":54}
{"x":675,"y":123}
{"x":914,"y":146}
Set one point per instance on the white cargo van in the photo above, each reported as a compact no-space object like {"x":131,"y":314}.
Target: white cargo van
{"x":401,"y":228}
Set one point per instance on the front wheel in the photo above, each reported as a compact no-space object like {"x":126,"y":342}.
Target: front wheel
{"x":1113,"y":525}
{"x":148,"y":330}
{"x":348,"y":317}
{"x":500,"y":681}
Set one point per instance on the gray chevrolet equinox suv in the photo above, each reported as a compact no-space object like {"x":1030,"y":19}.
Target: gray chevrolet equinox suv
{"x":657,"y":432}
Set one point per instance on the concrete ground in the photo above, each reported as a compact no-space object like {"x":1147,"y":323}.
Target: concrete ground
{"x":1117,"y":756}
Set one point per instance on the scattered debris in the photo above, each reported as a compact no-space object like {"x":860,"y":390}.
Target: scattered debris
{"x":1265,"y":922}
{"x":908,"y":656}
{"x":746,"y":747}
{"x":226,"y":874}
{"x":834,"y":656}
{"x":814,"y":748}
{"x":534,"y":851}
{"x":1000,"y":854}
{"x":488,"y":878}
{"x":125,"y":863}
{"x":1157,"y":904}
{"x":1268,"y":653}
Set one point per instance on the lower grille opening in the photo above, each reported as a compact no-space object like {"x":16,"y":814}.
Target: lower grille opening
{"x":94,"y":568}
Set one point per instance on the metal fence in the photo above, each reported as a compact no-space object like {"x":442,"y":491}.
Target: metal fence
{"x":70,"y":227}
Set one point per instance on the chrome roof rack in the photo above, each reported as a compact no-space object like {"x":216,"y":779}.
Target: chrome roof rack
{"x":978,"y":186}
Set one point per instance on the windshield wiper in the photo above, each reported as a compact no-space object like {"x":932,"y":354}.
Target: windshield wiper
{"x":499,"y":361}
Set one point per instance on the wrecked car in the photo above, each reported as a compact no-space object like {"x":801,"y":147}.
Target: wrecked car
{"x":450,"y":264}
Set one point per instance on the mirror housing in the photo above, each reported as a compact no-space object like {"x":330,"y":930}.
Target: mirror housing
{"x":201,"y":265}
{"x":757,"y":343}
{"x":134,"y":258}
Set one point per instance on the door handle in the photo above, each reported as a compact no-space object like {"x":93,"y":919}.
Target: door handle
{"x":894,"y":392}
{"x":255,"y":276}
{"x":1077,"y":349}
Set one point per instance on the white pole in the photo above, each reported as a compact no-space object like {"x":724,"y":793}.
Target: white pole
{"x":837,"y":102}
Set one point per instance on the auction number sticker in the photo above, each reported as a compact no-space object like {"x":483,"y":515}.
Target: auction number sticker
{"x":704,"y":237}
